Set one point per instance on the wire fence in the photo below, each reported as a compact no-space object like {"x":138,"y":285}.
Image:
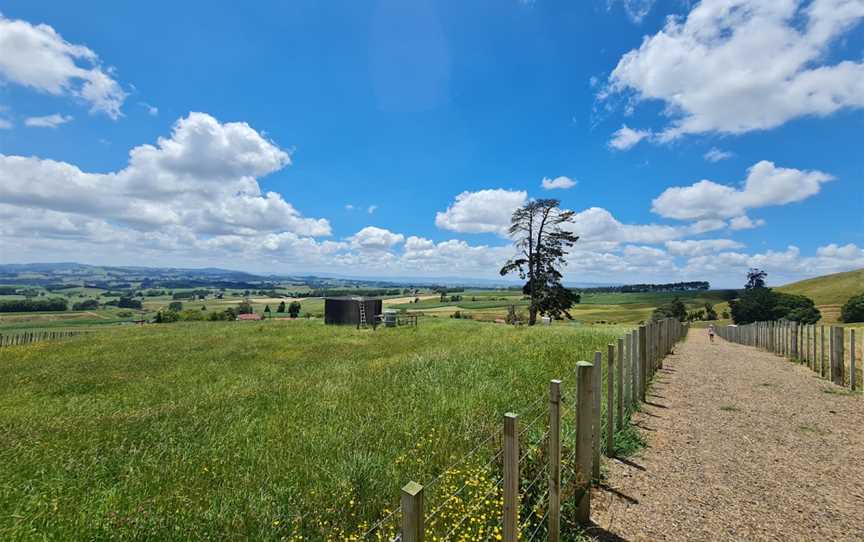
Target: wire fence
{"x":28,"y":337}
{"x":531,"y":480}
{"x":832,"y":352}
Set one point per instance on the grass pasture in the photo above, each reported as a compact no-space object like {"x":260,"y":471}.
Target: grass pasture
{"x":610,"y":308}
{"x":228,"y":430}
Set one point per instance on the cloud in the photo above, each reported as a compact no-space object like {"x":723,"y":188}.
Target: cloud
{"x":636,"y":10}
{"x":765,"y":185}
{"x":372,"y":238}
{"x":734,"y":66}
{"x":5,"y":124}
{"x":700,"y":247}
{"x":716,"y":155}
{"x":349,"y":207}
{"x":39,"y":58}
{"x":152,"y":110}
{"x":626,"y":138}
{"x":782,"y":266}
{"x":371,"y":209}
{"x":562,"y":183}
{"x":596,"y":225}
{"x":484,"y":211}
{"x":744,"y":222}
{"x":201,"y":180}
{"x":48,"y":121}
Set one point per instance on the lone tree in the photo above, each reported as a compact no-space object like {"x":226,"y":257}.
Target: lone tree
{"x":538,"y":232}
{"x":755,"y":279}
{"x":294,"y":309}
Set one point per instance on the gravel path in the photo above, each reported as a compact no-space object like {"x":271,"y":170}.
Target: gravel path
{"x":742,"y":445}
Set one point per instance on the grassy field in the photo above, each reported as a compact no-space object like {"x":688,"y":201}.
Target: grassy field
{"x":230,"y":430}
{"x":595,"y":308}
{"x":829,"y":292}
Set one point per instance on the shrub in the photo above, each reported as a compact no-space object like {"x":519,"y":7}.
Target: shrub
{"x":190,"y":315}
{"x":34,"y":305}
{"x":129,"y":303}
{"x":87,"y":305}
{"x":166,"y":317}
{"x":853,"y":309}
{"x":175,"y":306}
{"x":294,"y":309}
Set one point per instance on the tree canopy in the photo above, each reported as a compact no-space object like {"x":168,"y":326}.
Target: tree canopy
{"x":758,"y":303}
{"x":539,"y":233}
{"x":853,"y":310}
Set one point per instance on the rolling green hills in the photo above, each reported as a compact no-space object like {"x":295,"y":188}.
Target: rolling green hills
{"x":832,"y":289}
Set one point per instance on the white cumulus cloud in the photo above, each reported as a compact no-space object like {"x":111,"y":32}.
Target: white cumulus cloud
{"x":37,"y":57}
{"x":374,"y":238}
{"x":484,"y":211}
{"x":562,"y":183}
{"x":202,"y":180}
{"x":766,"y":185}
{"x":626,"y":138}
{"x":734,"y":66}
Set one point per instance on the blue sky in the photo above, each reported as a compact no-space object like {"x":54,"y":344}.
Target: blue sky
{"x":368,"y":120}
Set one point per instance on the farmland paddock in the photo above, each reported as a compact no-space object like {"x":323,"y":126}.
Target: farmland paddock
{"x":532,"y":479}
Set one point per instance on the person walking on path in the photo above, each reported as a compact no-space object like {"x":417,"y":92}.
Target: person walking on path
{"x":711,"y":332}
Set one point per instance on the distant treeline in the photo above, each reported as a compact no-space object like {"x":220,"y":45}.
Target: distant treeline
{"x":34,"y":305}
{"x":217,"y":284}
{"x":339,"y":292}
{"x":190,"y":294}
{"x":695,"y":286}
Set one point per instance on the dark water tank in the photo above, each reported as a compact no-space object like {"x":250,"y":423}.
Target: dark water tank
{"x":346,"y":310}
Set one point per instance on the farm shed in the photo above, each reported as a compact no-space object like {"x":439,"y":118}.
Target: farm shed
{"x":346,"y":310}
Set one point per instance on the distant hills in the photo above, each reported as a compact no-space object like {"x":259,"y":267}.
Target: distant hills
{"x":68,"y":272}
{"x":833,"y":289}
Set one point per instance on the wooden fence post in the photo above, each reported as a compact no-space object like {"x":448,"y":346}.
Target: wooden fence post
{"x":619,"y":381}
{"x":838,"y":365}
{"x":584,"y":430}
{"x":595,"y":412}
{"x":853,"y":373}
{"x":511,"y":477}
{"x":610,"y":401}
{"x":554,"y":527}
{"x":634,"y":369}
{"x":412,"y":513}
{"x":822,"y":369}
{"x":643,"y":362}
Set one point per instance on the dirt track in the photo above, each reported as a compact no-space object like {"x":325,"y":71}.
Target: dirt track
{"x":742,"y":445}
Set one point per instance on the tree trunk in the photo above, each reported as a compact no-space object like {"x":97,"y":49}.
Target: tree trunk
{"x":532,"y":315}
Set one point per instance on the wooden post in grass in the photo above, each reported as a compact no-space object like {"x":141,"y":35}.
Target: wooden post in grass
{"x":619,"y":381}
{"x":822,"y":370}
{"x":838,"y":367}
{"x":511,"y":477}
{"x":554,"y":527}
{"x":610,"y":401}
{"x":794,"y":337}
{"x":412,"y":513}
{"x":584,"y":446}
{"x":853,"y":373}
{"x":643,"y":362}
{"x":596,"y":381}
{"x":634,"y":368}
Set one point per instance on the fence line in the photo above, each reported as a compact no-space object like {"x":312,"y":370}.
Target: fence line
{"x":531,"y":478}
{"x":27,"y":337}
{"x":823,"y":350}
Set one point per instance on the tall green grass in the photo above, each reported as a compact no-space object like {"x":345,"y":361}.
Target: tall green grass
{"x":233,"y":430}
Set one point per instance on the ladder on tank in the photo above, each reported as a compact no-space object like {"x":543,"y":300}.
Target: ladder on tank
{"x":362,"y":306}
